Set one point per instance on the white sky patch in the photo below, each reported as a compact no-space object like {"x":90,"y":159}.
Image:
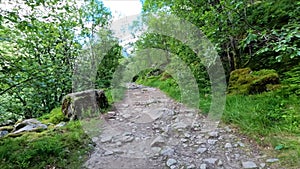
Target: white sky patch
{"x":121,"y":8}
{"x":124,"y":12}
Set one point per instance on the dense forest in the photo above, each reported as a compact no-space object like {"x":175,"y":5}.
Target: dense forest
{"x":48,"y":47}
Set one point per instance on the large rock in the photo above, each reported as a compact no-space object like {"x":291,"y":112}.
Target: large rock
{"x":245,"y":81}
{"x":85,"y":104}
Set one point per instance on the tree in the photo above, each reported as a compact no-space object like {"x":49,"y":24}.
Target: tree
{"x":39,"y":49}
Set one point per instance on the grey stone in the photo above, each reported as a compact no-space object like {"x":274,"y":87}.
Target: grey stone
{"x":3,"y":133}
{"x":203,"y":166}
{"x":126,"y":115}
{"x":213,"y":134}
{"x":201,"y":150}
{"x":85,"y":104}
{"x":228,"y":145}
{"x":127,"y":139}
{"x":118,"y":151}
{"x":173,"y":167}
{"x":179,"y":125}
{"x":212,"y":141}
{"x":241,"y":144}
{"x":156,"y":149}
{"x":61,"y":124}
{"x":105,"y":139}
{"x":95,"y":139}
{"x":192,"y":166}
{"x":220,"y":163}
{"x":184,"y":140}
{"x":249,"y":165}
{"x":167,"y":151}
{"x":158,"y":142}
{"x":272,"y":160}
{"x":107,"y":153}
{"x":210,"y":160}
{"x":29,"y":125}
{"x":262,"y":165}
{"x":171,"y":162}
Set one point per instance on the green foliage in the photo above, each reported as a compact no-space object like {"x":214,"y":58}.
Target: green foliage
{"x":256,"y":34}
{"x":272,"y":119}
{"x":292,"y":81}
{"x":64,"y":147}
{"x":39,"y":49}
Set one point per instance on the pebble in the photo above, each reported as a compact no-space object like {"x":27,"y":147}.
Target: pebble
{"x":249,"y":165}
{"x":167,"y":151}
{"x":203,"y":166}
{"x":228,"y":145}
{"x":262,"y":165}
{"x":210,"y":160}
{"x":127,"y":139}
{"x":158,"y":142}
{"x":105,"y":139}
{"x":107,"y":153}
{"x":272,"y":160}
{"x":211,"y":141}
{"x":171,"y":162}
{"x":201,"y":150}
{"x":213,"y":134}
{"x":179,"y":126}
{"x":192,"y":166}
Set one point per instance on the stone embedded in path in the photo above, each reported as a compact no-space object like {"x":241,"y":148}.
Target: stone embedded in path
{"x":211,"y":141}
{"x":213,"y":134}
{"x":179,"y":126}
{"x":192,"y":166}
{"x":167,"y":151}
{"x":201,"y":150}
{"x":249,"y":165}
{"x":171,"y":162}
{"x":158,"y":142}
{"x":211,"y":160}
{"x":228,"y":145}
{"x":105,"y":139}
{"x":107,"y":153}
{"x":203,"y":166}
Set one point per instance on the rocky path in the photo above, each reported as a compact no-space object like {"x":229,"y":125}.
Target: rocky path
{"x":149,"y":130}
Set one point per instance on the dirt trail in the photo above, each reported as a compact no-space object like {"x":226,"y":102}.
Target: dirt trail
{"x":150,"y":130}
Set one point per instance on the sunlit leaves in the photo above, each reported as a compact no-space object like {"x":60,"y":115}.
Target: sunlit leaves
{"x":39,"y":49}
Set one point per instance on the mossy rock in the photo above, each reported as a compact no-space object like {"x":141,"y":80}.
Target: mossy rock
{"x":244,"y":81}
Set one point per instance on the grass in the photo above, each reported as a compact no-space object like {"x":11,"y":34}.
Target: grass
{"x":272,"y":119}
{"x":65,"y":147}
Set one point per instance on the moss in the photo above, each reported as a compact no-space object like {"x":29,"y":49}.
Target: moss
{"x":244,"y":81}
{"x":7,"y":128}
{"x":55,"y":116}
{"x":65,"y":147}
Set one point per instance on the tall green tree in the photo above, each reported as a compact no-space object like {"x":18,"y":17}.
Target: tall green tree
{"x":39,"y":49}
